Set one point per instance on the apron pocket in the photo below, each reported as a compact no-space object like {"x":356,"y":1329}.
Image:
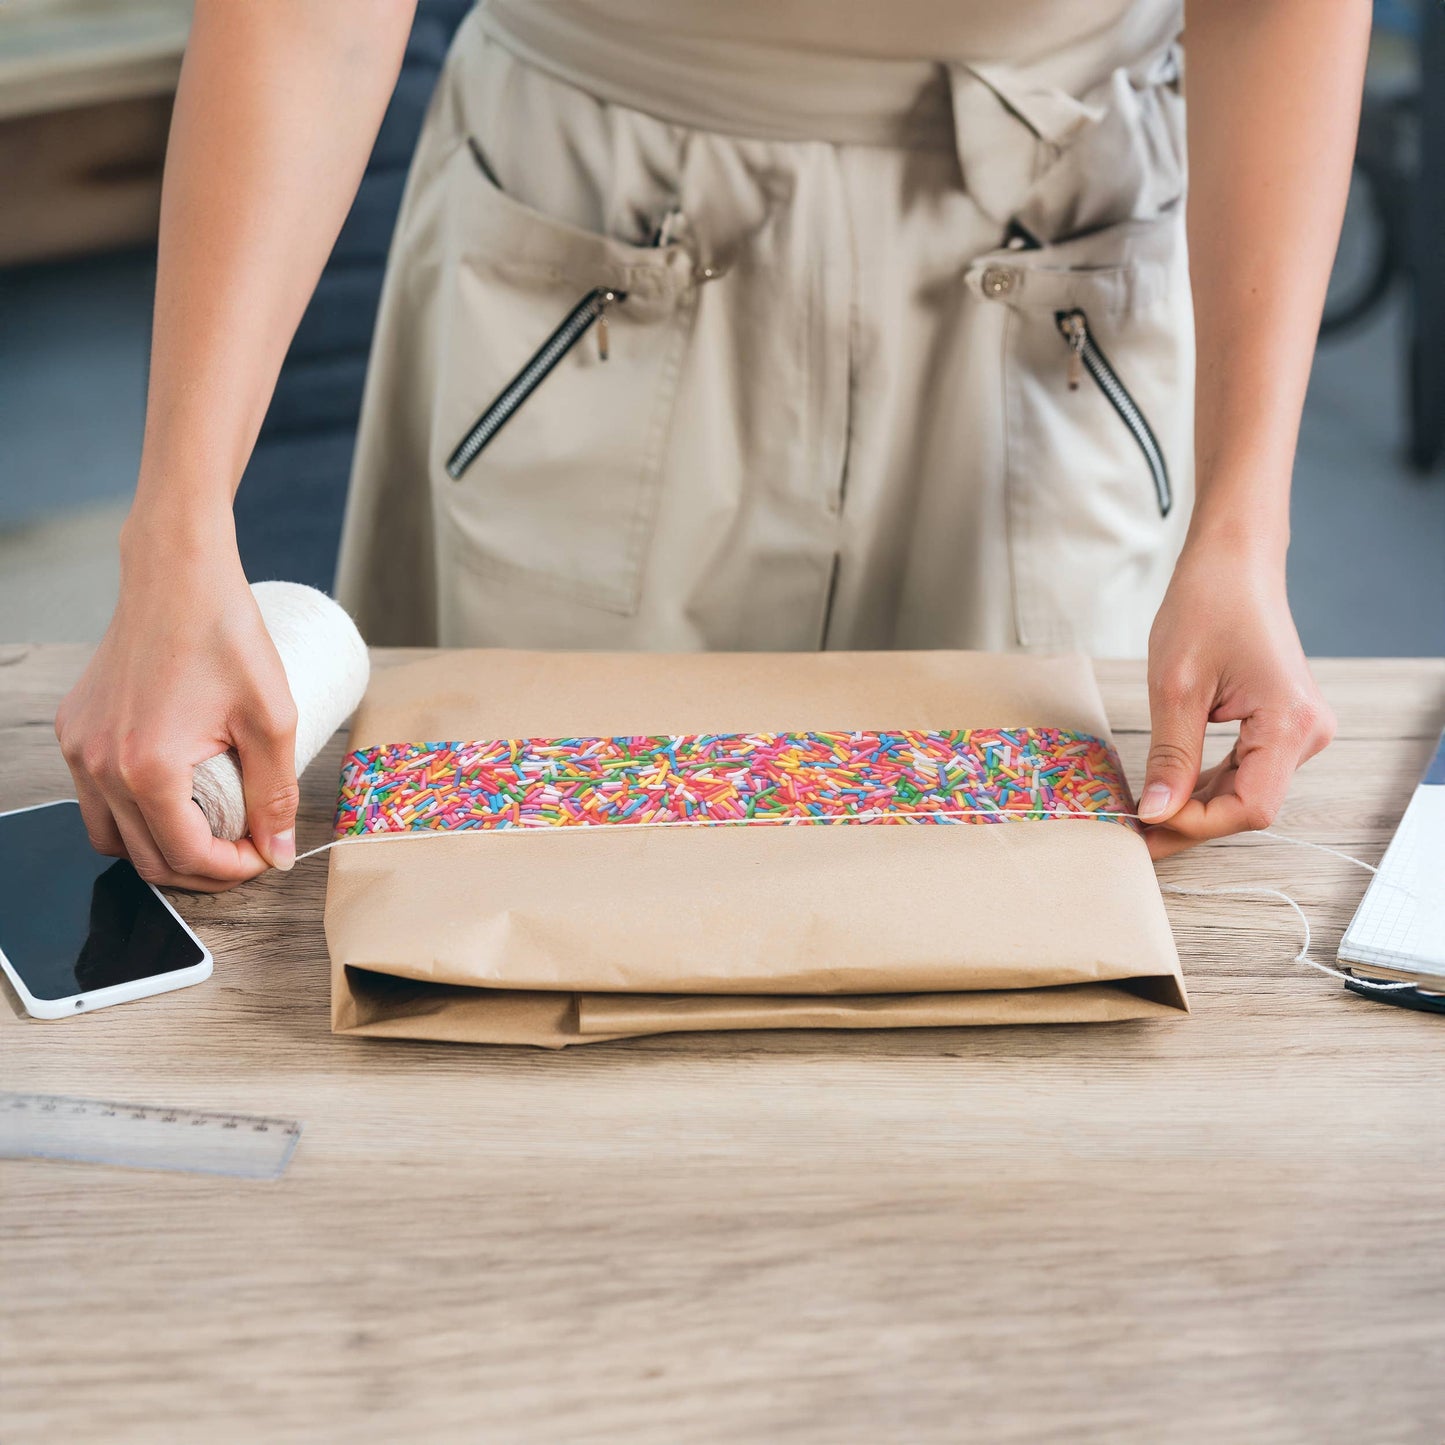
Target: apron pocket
{"x":1098,"y":398}
{"x":560,"y":353}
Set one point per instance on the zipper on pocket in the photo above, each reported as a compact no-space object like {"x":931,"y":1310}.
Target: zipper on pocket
{"x":591,"y":308}
{"x":1084,"y":355}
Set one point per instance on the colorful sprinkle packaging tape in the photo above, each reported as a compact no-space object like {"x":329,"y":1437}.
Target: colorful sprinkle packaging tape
{"x":982,"y":775}
{"x":554,"y":848}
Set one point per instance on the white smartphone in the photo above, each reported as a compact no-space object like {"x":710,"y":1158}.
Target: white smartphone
{"x":80,"y":931}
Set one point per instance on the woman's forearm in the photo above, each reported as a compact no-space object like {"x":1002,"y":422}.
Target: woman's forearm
{"x":1273,"y":91}
{"x":278,"y":105}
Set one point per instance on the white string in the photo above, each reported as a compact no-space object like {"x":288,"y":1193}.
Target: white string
{"x":1251,"y":891}
{"x":798,"y":820}
{"x":1303,"y":956}
{"x":1319,"y":848}
{"x":1260,"y":891}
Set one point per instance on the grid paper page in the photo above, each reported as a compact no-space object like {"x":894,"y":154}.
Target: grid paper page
{"x":1401,"y":921}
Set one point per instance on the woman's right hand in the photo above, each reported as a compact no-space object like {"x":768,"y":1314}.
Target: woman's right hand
{"x":185,"y":671}
{"x":248,"y":217}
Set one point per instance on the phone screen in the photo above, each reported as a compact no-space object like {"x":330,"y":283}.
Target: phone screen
{"x":72,"y":920}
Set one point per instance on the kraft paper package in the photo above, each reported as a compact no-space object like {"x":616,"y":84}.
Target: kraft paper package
{"x":576,"y":935}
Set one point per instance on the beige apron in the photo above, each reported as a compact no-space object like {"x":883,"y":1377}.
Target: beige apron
{"x":911,"y":366}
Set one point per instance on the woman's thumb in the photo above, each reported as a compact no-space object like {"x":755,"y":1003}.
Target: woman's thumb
{"x":1176,"y":746}
{"x":268,"y":779}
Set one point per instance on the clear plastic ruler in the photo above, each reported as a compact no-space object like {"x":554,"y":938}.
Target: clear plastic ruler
{"x":144,"y":1136}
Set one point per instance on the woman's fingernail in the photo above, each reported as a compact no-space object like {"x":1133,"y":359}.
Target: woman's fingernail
{"x":1154,"y":803}
{"x":283,"y":851}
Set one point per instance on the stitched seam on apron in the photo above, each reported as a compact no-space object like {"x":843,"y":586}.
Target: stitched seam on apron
{"x":840,"y":495}
{"x":1015,"y":503}
{"x":649,"y":493}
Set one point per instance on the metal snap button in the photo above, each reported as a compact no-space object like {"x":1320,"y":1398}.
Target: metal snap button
{"x":998,"y":281}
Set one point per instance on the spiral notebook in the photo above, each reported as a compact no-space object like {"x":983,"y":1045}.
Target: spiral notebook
{"x":1398,"y":931}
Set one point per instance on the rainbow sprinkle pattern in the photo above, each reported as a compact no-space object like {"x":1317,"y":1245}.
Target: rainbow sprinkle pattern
{"x":978,"y":775}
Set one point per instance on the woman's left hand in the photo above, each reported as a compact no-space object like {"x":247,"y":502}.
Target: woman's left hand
{"x":1224,"y":649}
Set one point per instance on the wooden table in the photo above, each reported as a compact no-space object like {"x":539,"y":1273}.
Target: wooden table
{"x":1223,"y":1229}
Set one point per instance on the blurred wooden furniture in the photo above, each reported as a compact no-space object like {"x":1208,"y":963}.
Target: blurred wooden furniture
{"x":1225,"y":1228}
{"x":85,"y":100}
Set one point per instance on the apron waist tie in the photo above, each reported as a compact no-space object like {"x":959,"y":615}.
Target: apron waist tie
{"x":1028,"y":150}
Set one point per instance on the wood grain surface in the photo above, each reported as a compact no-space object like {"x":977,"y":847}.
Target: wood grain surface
{"x":1223,"y":1229}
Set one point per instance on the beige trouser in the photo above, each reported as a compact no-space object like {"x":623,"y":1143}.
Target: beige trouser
{"x":840,"y":408}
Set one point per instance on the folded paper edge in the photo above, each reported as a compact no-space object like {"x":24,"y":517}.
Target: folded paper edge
{"x":382,"y":1006}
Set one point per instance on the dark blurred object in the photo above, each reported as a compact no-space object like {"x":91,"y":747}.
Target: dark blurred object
{"x":1394,"y":220}
{"x":1427,"y":348}
{"x":85,"y":104}
{"x":288,"y":510}
{"x":1411,"y":998}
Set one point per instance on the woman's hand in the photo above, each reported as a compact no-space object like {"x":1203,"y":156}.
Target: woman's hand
{"x":1224,"y":649}
{"x":1274,"y":89}
{"x":185,"y":671}
{"x":275,"y":114}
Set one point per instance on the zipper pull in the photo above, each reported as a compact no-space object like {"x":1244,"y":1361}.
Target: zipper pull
{"x":602,"y":346}
{"x":590,"y":310}
{"x":604,"y":349}
{"x":1075,"y":329}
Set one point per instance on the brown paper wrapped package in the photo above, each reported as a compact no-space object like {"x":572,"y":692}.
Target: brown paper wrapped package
{"x":578,"y":935}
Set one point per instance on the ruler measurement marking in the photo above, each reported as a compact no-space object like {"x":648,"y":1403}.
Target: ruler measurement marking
{"x":105,"y":1131}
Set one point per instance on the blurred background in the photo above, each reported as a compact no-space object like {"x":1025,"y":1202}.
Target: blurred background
{"x":85,"y":95}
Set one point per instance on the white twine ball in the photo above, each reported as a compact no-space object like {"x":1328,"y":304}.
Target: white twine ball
{"x":327,"y":667}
